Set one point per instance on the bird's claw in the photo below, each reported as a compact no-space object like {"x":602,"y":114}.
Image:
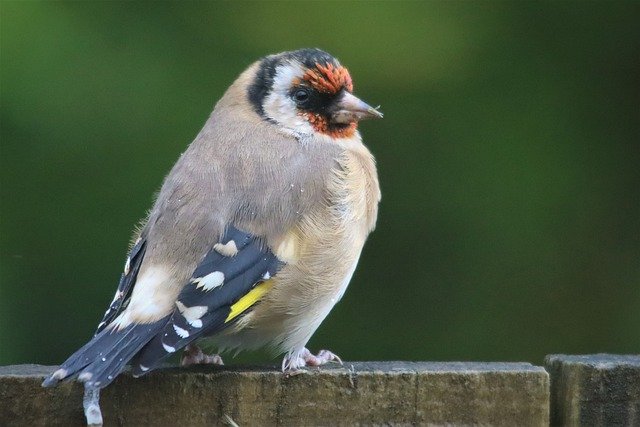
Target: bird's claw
{"x":193,"y":355}
{"x":292,"y":363}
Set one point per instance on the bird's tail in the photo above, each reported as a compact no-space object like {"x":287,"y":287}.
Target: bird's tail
{"x":100,"y":360}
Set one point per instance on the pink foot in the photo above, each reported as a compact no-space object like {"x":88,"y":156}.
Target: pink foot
{"x":293,"y":362}
{"x":193,"y":355}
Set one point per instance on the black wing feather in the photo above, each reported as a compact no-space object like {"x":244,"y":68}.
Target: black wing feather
{"x":104,"y":357}
{"x":100,"y":360}
{"x":252,"y":264}
{"x":128,"y":278}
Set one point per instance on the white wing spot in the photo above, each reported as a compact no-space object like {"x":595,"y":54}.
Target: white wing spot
{"x":85,"y":376}
{"x":228,"y":249}
{"x":210,"y":281}
{"x":168,"y":348}
{"x":144,"y":368}
{"x":192,"y":314}
{"x":266,"y":276}
{"x":119,"y":294}
{"x":127,"y":266}
{"x":59,"y":374}
{"x":182,"y":333}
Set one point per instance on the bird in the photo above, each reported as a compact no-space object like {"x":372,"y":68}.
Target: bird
{"x":255,"y":232}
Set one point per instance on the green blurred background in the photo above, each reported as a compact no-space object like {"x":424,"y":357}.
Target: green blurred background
{"x":509,"y":162}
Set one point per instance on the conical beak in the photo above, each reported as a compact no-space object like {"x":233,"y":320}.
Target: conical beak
{"x":350,"y":108}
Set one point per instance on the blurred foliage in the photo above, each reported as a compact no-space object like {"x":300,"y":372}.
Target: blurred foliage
{"x":509,"y":161}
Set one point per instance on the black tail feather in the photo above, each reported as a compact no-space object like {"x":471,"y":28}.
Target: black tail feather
{"x":99,"y":361}
{"x":167,"y":342}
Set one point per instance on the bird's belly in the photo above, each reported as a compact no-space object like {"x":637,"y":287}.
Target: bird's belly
{"x":321,"y":256}
{"x":302,"y":296}
{"x":287,"y":326}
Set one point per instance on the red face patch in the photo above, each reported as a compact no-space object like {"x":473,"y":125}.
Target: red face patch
{"x":321,"y":124}
{"x":329,"y":78}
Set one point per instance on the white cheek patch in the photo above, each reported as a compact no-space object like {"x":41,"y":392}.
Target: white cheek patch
{"x":279,"y":106}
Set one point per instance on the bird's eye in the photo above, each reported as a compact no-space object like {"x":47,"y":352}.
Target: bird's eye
{"x":301,"y":96}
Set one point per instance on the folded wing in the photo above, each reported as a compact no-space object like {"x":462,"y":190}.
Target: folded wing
{"x":231,"y":278}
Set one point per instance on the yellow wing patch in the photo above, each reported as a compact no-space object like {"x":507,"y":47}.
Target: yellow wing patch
{"x":249,"y":299}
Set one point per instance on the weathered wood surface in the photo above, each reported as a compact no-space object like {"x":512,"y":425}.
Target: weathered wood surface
{"x":359,"y":393}
{"x":594,"y":390}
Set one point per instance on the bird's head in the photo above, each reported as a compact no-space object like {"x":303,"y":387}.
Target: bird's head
{"x":307,"y":91}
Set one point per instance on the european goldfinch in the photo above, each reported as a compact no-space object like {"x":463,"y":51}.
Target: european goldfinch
{"x":255,"y":233}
